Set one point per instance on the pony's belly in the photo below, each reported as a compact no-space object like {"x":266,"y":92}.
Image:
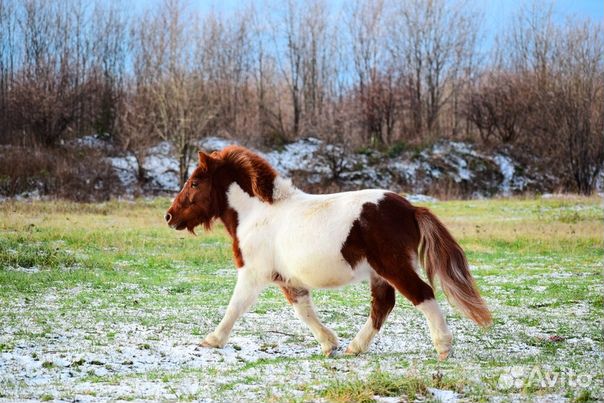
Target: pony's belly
{"x":328,"y":275}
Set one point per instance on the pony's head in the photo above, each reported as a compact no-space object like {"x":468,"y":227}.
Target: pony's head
{"x":204,"y":195}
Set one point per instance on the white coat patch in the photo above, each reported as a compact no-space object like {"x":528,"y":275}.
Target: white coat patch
{"x":300,"y":236}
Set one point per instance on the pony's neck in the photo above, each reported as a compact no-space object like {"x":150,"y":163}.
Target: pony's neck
{"x":240,"y":201}
{"x":240,"y":204}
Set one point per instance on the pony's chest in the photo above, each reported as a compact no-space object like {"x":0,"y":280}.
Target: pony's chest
{"x":255,"y":239}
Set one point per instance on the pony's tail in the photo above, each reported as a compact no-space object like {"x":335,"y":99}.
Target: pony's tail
{"x":442,"y":256}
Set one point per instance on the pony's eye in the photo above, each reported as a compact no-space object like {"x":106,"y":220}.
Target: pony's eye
{"x":194,"y":185}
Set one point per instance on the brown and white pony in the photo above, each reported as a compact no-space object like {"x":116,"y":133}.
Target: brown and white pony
{"x":300,"y":241}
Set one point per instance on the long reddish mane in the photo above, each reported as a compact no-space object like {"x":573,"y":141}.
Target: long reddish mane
{"x":252,"y":172}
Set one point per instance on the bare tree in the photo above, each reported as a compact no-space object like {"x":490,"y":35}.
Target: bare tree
{"x":8,"y":62}
{"x":432,"y":41}
{"x":270,"y":128}
{"x":501,"y":106}
{"x":109,"y":53}
{"x":292,"y":66}
{"x":574,"y":107}
{"x":224,"y":59}
{"x":179,"y":105}
{"x":376,"y":83}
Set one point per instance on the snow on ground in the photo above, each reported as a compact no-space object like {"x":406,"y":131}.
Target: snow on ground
{"x":162,"y":167}
{"x":453,"y":152}
{"x":111,"y":350}
{"x":444,"y":396}
{"x":92,"y":141}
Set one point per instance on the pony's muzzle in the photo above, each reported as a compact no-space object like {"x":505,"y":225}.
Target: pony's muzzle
{"x":168,"y":217}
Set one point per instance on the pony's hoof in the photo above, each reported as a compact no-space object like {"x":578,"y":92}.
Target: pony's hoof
{"x":211,"y":341}
{"x":442,"y":356}
{"x":354,"y":349}
{"x":443,"y":346}
{"x":329,"y":351}
{"x":206,"y":344}
{"x":330,"y":344}
{"x":330,"y":348}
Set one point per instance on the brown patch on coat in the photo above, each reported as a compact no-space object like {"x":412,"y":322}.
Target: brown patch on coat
{"x":230,"y":220}
{"x":292,"y":294}
{"x":203,"y":199}
{"x":388,"y":235}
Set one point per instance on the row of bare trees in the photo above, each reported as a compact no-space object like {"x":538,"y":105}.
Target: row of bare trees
{"x":544,"y":96}
{"x":369,"y":73}
{"x":61,"y":69}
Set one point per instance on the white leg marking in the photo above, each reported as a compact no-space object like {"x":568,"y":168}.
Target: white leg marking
{"x":362,"y":340}
{"x":244,"y":295}
{"x":306,"y":312}
{"x":441,"y":335}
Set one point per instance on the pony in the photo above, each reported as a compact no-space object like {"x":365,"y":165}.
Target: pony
{"x":299,"y":242}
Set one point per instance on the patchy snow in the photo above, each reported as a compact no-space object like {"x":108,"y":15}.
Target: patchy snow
{"x":125,"y":169}
{"x":388,"y":399}
{"x":444,"y":396}
{"x":317,"y":165}
{"x":92,"y":141}
{"x":116,"y":350}
{"x":420,"y":198}
{"x":213,"y":143}
{"x":163,"y":172}
{"x":507,"y":170}
{"x":406,"y":169}
{"x":294,"y":156}
{"x":20,"y":269}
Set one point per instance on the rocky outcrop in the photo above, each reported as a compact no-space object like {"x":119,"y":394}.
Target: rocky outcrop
{"x":447,"y":168}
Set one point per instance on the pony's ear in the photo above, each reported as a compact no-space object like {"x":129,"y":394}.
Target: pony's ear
{"x":205,"y":160}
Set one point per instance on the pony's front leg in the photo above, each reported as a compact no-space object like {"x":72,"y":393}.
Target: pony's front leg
{"x":248,"y":287}
{"x":303,"y":306}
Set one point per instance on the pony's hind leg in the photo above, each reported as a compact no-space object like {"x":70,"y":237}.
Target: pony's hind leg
{"x":406,"y":280}
{"x":303,"y":306}
{"x":382,"y":302}
{"x":440,"y":333}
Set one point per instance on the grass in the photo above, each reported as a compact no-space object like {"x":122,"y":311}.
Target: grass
{"x":104,"y":300}
{"x":378,"y":383}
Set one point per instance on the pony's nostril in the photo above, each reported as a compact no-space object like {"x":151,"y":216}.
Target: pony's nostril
{"x":168,"y":217}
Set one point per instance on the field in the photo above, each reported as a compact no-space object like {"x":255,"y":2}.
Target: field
{"x":104,"y":301}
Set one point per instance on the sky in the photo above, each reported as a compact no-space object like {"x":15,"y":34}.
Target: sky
{"x":495,"y":11}
{"x":497,"y":14}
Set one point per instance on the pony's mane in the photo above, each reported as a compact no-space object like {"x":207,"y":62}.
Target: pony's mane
{"x":252,"y":167}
